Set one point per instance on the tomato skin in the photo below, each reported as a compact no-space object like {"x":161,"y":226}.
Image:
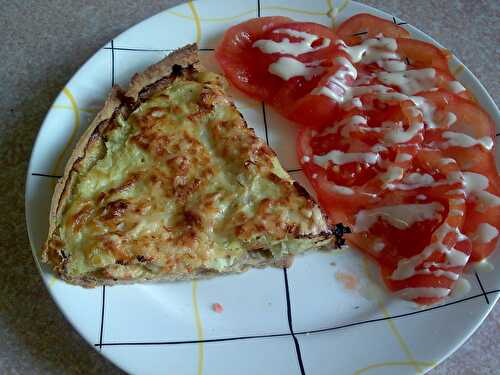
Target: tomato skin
{"x":422,"y":54}
{"x":311,"y":28}
{"x":313,"y":111}
{"x":234,"y":52}
{"x":372,"y":25}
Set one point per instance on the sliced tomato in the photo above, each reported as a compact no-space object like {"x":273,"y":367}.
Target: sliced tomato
{"x":413,"y":250}
{"x":482,"y":225}
{"x":353,"y":30}
{"x":250,"y":51}
{"x":316,"y":109}
{"x":237,"y":57}
{"x":422,"y":54}
{"x":324,"y":45}
{"x":471,"y":120}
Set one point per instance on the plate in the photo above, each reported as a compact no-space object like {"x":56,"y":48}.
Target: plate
{"x":306,"y":320}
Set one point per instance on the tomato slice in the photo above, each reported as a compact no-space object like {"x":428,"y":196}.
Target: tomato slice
{"x":422,"y":54}
{"x":237,"y":57}
{"x":279,"y":61}
{"x":370,"y":26}
{"x":323,"y":40}
{"x":422,"y":252}
{"x":471,"y":125}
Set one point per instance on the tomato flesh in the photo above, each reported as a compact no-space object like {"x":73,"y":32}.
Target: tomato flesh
{"x":406,"y":141}
{"x":364,"y":25}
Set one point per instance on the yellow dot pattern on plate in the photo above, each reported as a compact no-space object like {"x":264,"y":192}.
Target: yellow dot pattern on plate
{"x":64,"y":106}
{"x":457,"y":70}
{"x":214,"y":19}
{"x":199,"y":326}
{"x":365,"y":370}
{"x":197,"y":22}
{"x":76,"y":126}
{"x":411,"y":361}
{"x":333,"y":11}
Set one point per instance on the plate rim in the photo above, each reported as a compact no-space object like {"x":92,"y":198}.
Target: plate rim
{"x":494,"y":112}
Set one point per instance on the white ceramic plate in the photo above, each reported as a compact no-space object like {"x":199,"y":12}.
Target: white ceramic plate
{"x":171,"y":328}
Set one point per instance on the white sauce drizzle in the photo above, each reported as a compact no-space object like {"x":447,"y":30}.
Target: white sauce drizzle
{"x":455,"y":87}
{"x":340,"y":158}
{"x":445,"y":161}
{"x":411,"y":81}
{"x":401,"y":216}
{"x":484,"y":233}
{"x":288,"y":67}
{"x":378,"y":50}
{"x":285,"y":46}
{"x":401,"y":158}
{"x":464,"y":140}
{"x":454,"y":258}
{"x":340,"y":189}
{"x":414,"y":181}
{"x":393,"y":173}
{"x":455,"y":212}
{"x":378,"y":246}
{"x":486,"y":200}
{"x":347,"y":125}
{"x":336,"y":87}
{"x":413,"y":293}
{"x":474,"y":182}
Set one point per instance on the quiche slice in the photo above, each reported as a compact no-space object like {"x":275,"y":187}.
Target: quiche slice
{"x":168,"y":182}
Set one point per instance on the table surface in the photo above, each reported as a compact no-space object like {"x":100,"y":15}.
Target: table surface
{"x":42,"y":47}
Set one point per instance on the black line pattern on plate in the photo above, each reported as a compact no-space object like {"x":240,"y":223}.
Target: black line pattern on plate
{"x":398,"y":23}
{"x":195,"y":341}
{"x":289,"y":313}
{"x":45,"y":175}
{"x":151,"y":49}
{"x":112,"y":62}
{"x":290,"y":323}
{"x":482,"y":288}
{"x":301,"y":332}
{"x":360,"y":33}
{"x":103,"y":305}
{"x":265,"y":122}
{"x":289,"y":310}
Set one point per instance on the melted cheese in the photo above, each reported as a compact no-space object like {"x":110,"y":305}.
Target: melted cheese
{"x":181,"y":185}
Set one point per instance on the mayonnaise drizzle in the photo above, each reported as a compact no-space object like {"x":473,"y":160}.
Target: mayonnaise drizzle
{"x":463,"y":140}
{"x":484,"y":233}
{"x":401,"y":216}
{"x":287,"y":47}
{"x":339,"y":157}
{"x":288,"y":67}
{"x":455,"y":87}
{"x":454,"y":258}
{"x":410,"y":82}
{"x":429,"y":292}
{"x":336,"y":86}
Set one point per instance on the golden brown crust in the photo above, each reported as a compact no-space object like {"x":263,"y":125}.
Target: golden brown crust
{"x":183,"y":58}
{"x":181,"y":62}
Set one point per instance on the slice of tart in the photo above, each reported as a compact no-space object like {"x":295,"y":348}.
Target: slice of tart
{"x":168,"y":182}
